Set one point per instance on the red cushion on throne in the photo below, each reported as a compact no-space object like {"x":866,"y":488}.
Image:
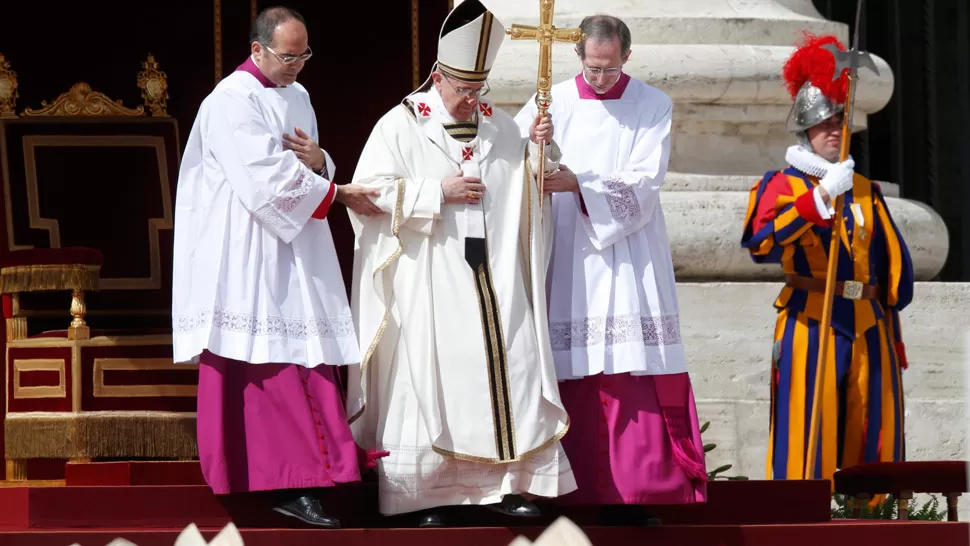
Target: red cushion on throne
{"x":52,"y":256}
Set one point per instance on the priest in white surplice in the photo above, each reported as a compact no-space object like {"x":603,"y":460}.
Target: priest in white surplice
{"x":614,"y":319}
{"x":457,"y":381}
{"x":258,"y":299}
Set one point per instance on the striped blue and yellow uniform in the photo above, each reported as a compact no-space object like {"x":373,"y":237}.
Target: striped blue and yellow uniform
{"x":862,"y":391}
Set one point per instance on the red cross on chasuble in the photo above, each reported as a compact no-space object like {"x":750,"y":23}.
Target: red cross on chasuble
{"x":424,"y":109}
{"x":467,"y":153}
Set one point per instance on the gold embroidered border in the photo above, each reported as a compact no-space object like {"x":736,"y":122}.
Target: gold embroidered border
{"x":518,"y":458}
{"x":483,"y":40}
{"x":396,"y":229}
{"x":101,"y":365}
{"x":154,"y":282}
{"x":464,"y":75}
{"x":40,"y":365}
{"x":527,"y":189}
{"x":497,"y":362}
{"x":75,"y":377}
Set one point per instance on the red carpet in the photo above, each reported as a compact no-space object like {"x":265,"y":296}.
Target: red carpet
{"x":881,"y":534}
{"x":134,"y":473}
{"x":104,"y":501}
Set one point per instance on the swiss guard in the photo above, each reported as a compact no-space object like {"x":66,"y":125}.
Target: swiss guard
{"x":789,"y":222}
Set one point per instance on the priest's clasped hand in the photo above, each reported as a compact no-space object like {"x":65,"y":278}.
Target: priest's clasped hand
{"x":561,"y":181}
{"x":306,"y":150}
{"x":542,"y":130}
{"x":462,"y":189}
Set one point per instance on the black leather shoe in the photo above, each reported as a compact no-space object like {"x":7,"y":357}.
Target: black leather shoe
{"x":307,"y":509}
{"x":431,"y":519}
{"x":516,"y":506}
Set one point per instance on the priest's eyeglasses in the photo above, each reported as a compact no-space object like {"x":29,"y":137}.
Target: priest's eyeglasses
{"x":608,"y":72}
{"x":466,"y":93}
{"x":289,"y":58}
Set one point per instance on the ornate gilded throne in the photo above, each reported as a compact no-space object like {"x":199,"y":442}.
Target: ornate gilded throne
{"x":85,"y":277}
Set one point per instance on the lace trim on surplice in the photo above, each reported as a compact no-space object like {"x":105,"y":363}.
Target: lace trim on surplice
{"x":292,"y":195}
{"x":293,"y":328}
{"x":663,"y":330}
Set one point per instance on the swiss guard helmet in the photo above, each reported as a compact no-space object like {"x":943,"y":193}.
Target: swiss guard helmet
{"x":808,"y":76}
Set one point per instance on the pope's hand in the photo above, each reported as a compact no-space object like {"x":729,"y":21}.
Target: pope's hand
{"x":462,"y":189}
{"x":357,"y":199}
{"x":305,"y":149}
{"x":542,"y":130}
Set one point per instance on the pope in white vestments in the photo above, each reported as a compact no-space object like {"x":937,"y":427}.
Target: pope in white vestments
{"x":613,"y":316}
{"x":258,"y":299}
{"x":457,"y":381}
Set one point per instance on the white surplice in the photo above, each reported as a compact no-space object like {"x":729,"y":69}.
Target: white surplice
{"x":256,"y":278}
{"x":612,"y":292}
{"x":468,"y":413}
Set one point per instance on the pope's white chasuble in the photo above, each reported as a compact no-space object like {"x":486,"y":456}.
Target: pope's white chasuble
{"x":458,"y":382}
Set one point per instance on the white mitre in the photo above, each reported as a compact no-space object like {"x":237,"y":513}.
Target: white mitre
{"x":562,"y":532}
{"x":469,"y":41}
{"x":229,"y":536}
{"x":191,"y":536}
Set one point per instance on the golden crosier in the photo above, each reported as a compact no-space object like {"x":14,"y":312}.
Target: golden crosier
{"x":545,"y":34}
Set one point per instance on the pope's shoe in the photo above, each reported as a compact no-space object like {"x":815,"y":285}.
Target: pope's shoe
{"x":307,"y":509}
{"x":516,"y":506}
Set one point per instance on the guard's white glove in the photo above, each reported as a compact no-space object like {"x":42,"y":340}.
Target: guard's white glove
{"x":839,"y":179}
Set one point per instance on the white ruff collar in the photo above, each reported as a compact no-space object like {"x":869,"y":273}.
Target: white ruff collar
{"x":807,"y":161}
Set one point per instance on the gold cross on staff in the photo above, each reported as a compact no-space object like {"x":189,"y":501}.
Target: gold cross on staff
{"x":545,"y":34}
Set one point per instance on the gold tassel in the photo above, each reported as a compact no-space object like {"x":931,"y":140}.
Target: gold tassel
{"x":138,"y":434}
{"x":36,"y":278}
